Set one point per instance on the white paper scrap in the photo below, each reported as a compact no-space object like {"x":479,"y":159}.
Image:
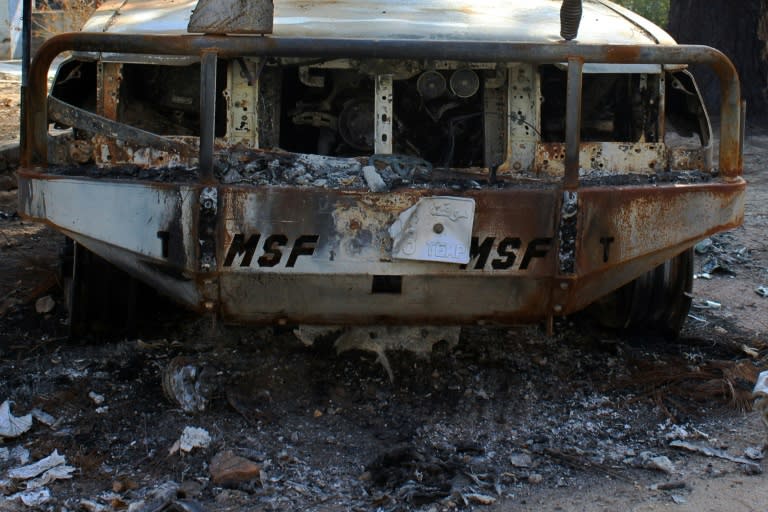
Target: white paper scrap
{"x":38,"y":468}
{"x":10,"y":425}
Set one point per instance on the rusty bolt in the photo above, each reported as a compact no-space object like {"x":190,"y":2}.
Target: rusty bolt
{"x":209,"y":305}
{"x":517,"y":166}
{"x":563,"y":285}
{"x":558,"y":308}
{"x":438,"y":228}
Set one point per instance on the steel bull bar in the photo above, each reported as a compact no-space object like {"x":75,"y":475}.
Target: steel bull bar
{"x":555,"y":248}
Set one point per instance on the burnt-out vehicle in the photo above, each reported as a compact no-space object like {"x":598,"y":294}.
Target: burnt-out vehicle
{"x":411,"y":162}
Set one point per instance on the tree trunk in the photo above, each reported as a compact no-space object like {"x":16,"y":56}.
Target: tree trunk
{"x":740,"y":30}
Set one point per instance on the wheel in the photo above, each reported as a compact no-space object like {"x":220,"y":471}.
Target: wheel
{"x":656,"y":302}
{"x":100,"y":297}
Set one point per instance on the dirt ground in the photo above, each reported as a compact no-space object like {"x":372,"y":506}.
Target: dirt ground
{"x":9,"y":108}
{"x":510,"y":419}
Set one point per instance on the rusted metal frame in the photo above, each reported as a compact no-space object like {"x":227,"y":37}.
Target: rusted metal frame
{"x":569,"y":208}
{"x":209,"y":196}
{"x":207,"y":113}
{"x":239,"y":46}
{"x":573,"y":123}
{"x":383,"y":101}
{"x":26,"y":54}
{"x":109,"y":80}
{"x":70,"y":115}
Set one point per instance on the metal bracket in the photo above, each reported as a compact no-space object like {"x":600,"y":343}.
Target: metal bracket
{"x":384,"y":114}
{"x":207,"y":222}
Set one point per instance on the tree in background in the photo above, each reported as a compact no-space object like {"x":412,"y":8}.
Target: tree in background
{"x":654,"y":10}
{"x":740,"y":30}
{"x":737,"y":28}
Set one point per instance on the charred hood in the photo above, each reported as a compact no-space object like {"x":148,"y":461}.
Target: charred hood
{"x":603,"y":22}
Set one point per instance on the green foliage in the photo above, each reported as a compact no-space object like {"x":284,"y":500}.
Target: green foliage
{"x":655,"y":10}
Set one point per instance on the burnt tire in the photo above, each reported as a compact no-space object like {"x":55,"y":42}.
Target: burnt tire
{"x":101,"y":299}
{"x":655,"y":303}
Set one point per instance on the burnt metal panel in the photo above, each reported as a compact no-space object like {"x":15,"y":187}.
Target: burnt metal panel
{"x":624,"y":231}
{"x":347,"y":299}
{"x":608,"y":158}
{"x":347,"y":231}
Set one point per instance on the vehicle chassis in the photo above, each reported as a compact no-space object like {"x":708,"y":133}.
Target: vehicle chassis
{"x":567,"y":243}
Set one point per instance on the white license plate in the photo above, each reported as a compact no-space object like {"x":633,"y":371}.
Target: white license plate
{"x":434,"y":229}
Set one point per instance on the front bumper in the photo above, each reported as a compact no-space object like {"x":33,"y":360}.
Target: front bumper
{"x":323,"y":256}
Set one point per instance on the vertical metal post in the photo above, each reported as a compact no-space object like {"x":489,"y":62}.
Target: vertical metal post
{"x":208,"y":65}
{"x":573,"y":123}
{"x":731,"y":159}
{"x":26,"y":56}
{"x":384,"y":115}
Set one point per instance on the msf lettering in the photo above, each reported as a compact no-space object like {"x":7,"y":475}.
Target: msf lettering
{"x":273,"y":250}
{"x":506,"y":255}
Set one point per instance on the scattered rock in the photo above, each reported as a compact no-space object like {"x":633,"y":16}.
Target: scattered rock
{"x":124,"y":484}
{"x":647,"y":460}
{"x":93,"y":506}
{"x":157,"y":499}
{"x":96,"y":398}
{"x":228,"y":469}
{"x":754,"y":453}
{"x":751,"y":469}
{"x":43,"y":417}
{"x":668,"y":486}
{"x":520,"y":460}
{"x":45,"y":305}
{"x":234,"y":499}
{"x":191,"y":488}
{"x":480,"y":499}
{"x":191,"y":438}
{"x":707,"y":304}
{"x":535,"y":478}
